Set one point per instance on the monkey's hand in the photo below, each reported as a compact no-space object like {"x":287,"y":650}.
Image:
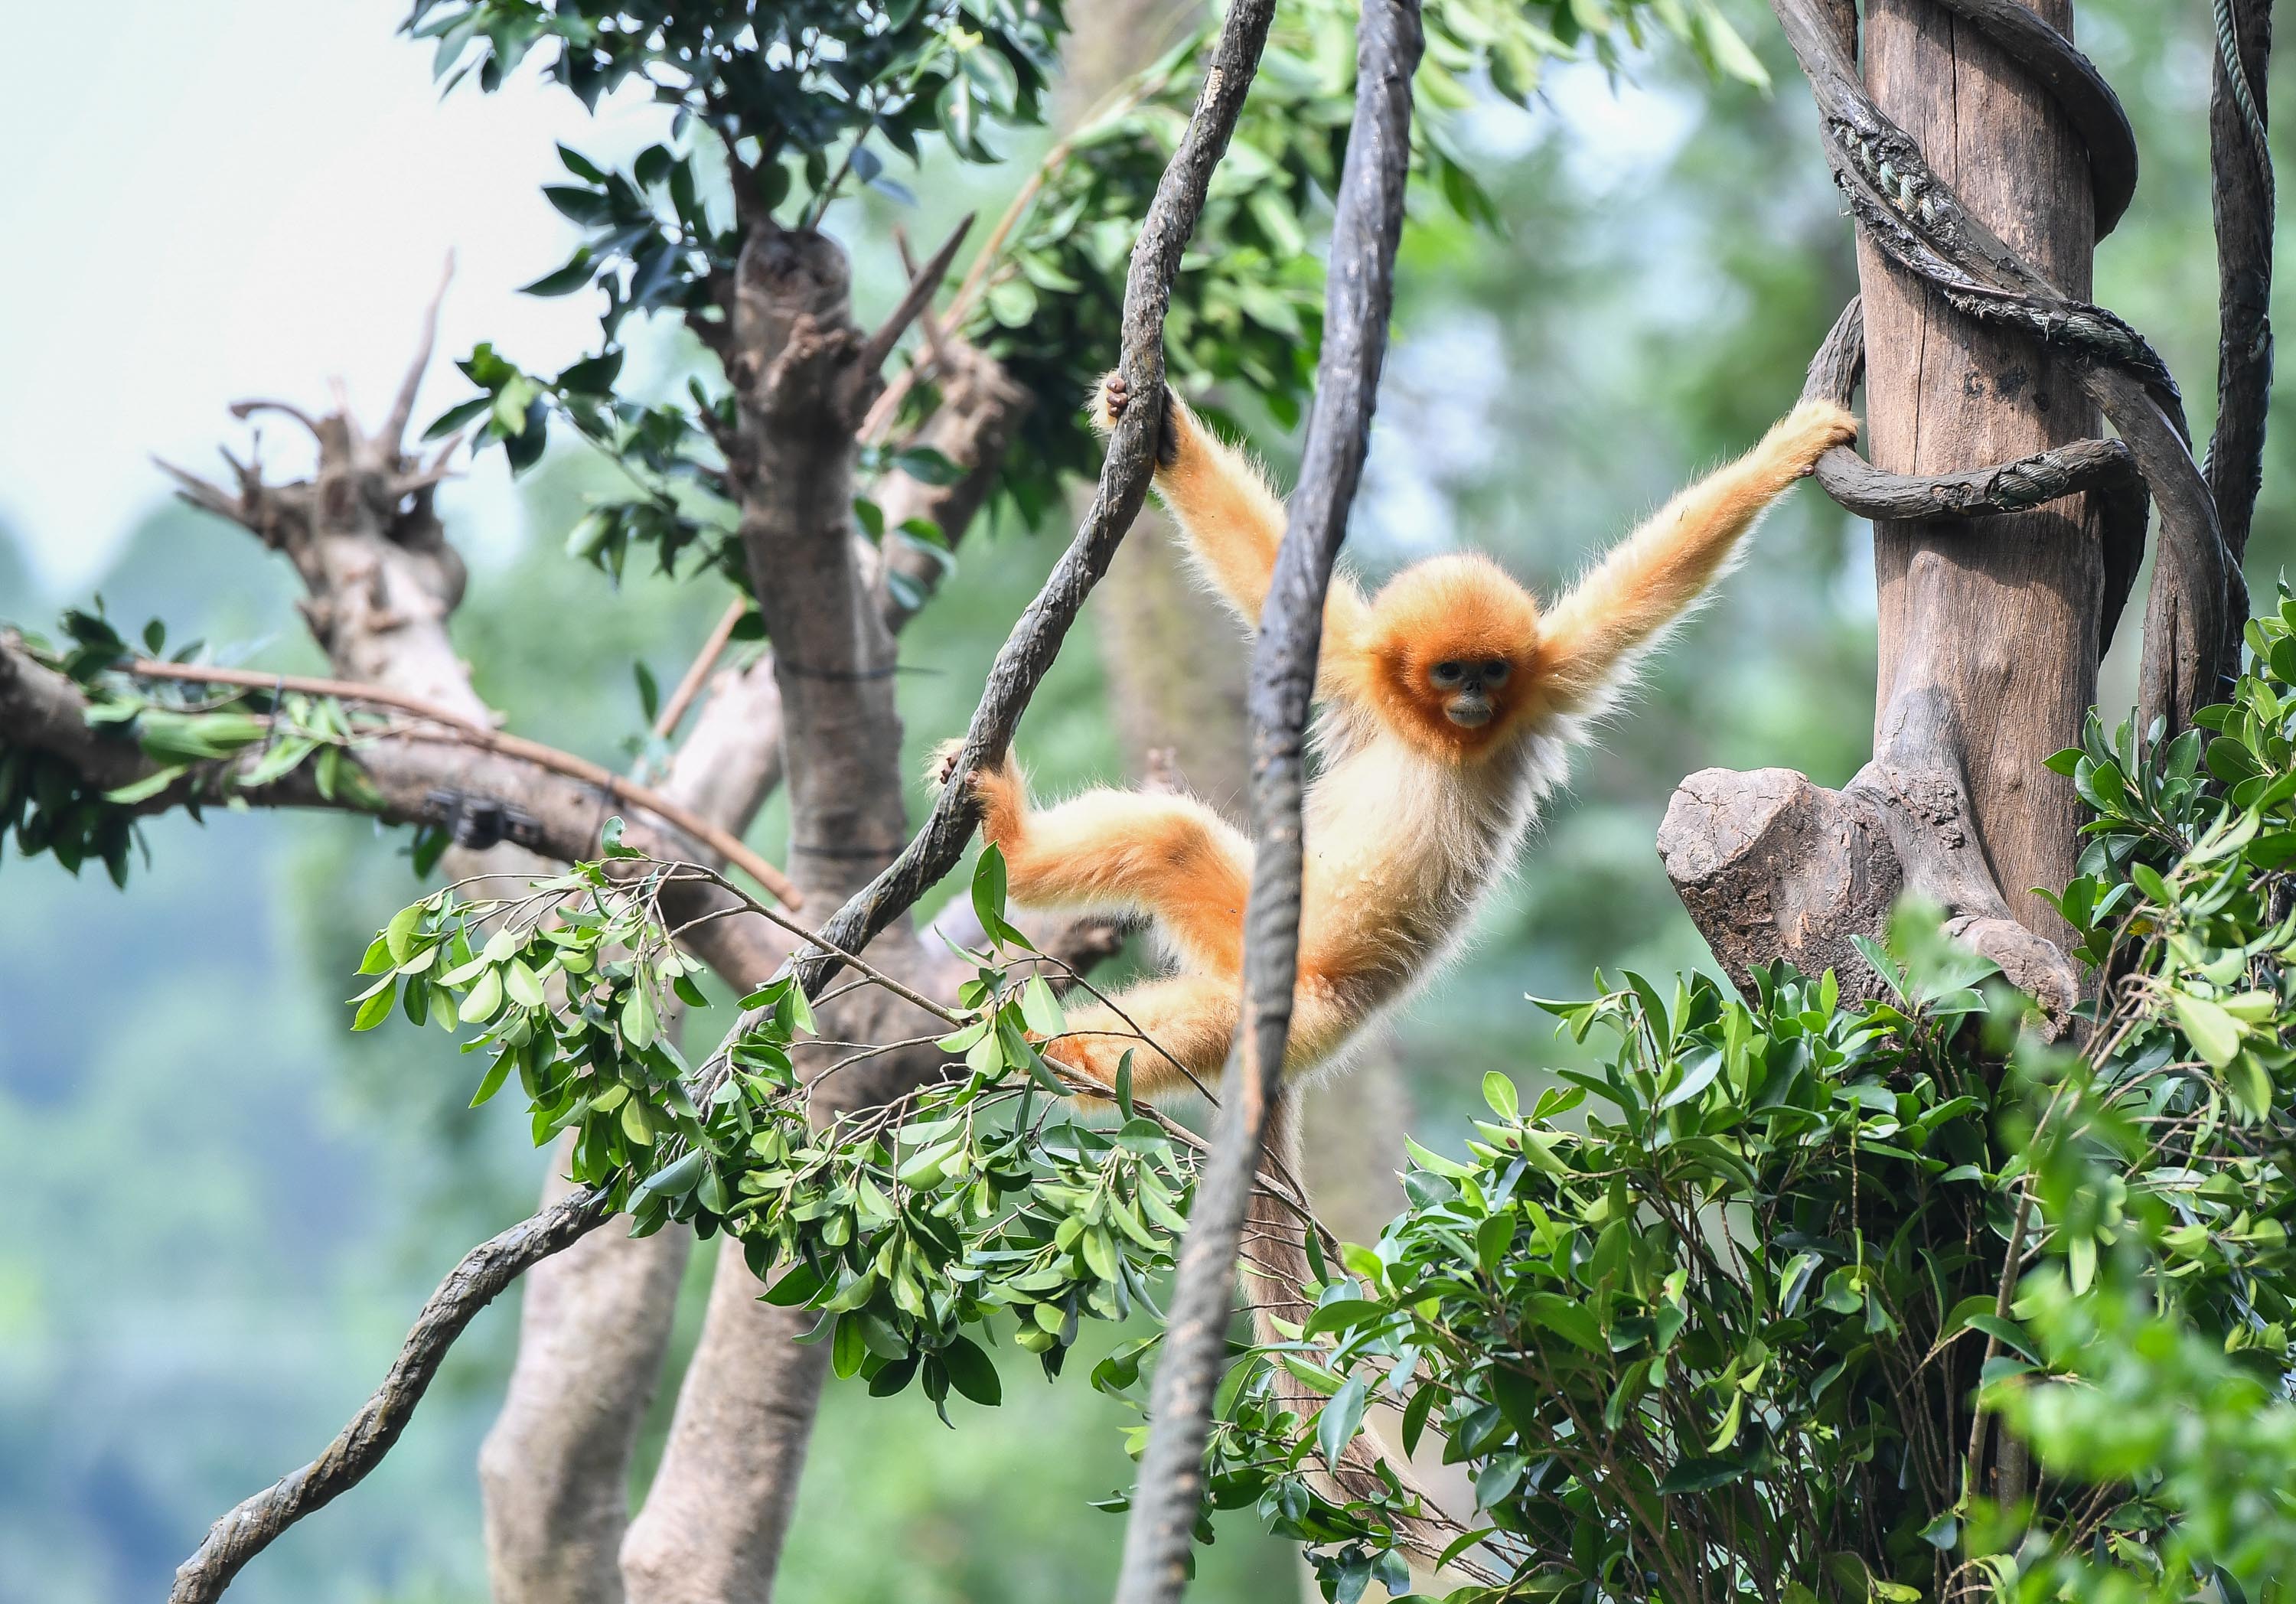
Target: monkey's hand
{"x":1114,"y":394}
{"x":1797,"y":440}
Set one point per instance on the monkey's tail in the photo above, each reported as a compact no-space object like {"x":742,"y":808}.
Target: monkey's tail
{"x":1275,"y":1273}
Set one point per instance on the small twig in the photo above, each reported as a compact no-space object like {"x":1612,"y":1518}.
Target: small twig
{"x":697,"y":674}
{"x":494,"y":741}
{"x":244,"y":410}
{"x":402,"y":409}
{"x":914,"y":299}
{"x":1978,"y":1419}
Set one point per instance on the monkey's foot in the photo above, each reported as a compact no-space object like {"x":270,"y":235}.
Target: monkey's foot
{"x":942,"y":762}
{"x":1114,"y":394}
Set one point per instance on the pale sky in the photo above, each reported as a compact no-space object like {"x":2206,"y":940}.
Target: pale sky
{"x":249,"y":198}
{"x":246,"y":198}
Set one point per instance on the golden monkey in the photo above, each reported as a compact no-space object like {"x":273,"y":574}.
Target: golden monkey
{"x":1449,"y":702}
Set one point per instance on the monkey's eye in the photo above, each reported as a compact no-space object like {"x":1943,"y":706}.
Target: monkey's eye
{"x":1449,"y":673}
{"x":1495,"y":672}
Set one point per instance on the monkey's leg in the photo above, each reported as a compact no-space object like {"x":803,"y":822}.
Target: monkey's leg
{"x":1169,"y":856}
{"x":1177,"y":1030}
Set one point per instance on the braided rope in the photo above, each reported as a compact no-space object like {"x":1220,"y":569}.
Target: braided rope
{"x":1916,"y":220}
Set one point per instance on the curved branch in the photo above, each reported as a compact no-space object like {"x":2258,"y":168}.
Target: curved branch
{"x":494,"y":741}
{"x":2107,"y":467}
{"x":250,"y":1527}
{"x":2081,"y":94}
{"x":2010,"y":486}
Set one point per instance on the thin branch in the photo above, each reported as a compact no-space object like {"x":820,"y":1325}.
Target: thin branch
{"x":916,"y":299}
{"x":2241,"y":165}
{"x":1359,"y":293}
{"x":250,"y":1527}
{"x":244,"y":410}
{"x":402,"y":408}
{"x":697,"y":673}
{"x":622,"y":790}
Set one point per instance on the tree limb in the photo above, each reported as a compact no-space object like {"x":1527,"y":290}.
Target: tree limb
{"x":719,"y":841}
{"x":250,"y":1527}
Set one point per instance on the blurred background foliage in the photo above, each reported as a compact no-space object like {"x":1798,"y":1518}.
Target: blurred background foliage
{"x":227,"y":1206}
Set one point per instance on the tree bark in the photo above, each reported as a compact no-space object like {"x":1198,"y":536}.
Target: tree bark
{"x":713,"y":1524}
{"x":1988,"y":633}
{"x":2004,"y":627}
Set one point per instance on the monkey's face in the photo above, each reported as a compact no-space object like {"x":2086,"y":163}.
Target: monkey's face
{"x":1451,"y":643}
{"x":1470,"y":688}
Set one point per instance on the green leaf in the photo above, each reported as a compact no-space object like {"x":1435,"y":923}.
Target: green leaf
{"x":496,"y":1072}
{"x":1569,"y":1320}
{"x":376,"y":1009}
{"x":673,"y":1180}
{"x":1041,"y":1009}
{"x":2215,"y":1034}
{"x":484,"y":997}
{"x":971,"y":1373}
{"x":1701,"y":1475}
{"x":148,"y":786}
{"x":1335,"y":1426}
{"x":1499,"y":1092}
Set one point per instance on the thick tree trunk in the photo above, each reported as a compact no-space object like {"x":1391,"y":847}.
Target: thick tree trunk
{"x":714,"y":1522}
{"x":595,"y":1319}
{"x":2003,"y":621}
{"x":1988,"y":631}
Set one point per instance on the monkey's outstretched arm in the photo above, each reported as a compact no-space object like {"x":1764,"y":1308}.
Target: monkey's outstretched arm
{"x":1169,"y":856}
{"x":1653,"y":578}
{"x":1233,"y":519}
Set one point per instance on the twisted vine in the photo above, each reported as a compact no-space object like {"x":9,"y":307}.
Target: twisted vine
{"x":2198,"y":601}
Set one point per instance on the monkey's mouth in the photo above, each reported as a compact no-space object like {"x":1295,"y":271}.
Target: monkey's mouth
{"x":1468,"y":712}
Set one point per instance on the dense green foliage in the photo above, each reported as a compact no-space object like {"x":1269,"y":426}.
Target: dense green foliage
{"x":1720,"y":1336}
{"x":804,"y":102}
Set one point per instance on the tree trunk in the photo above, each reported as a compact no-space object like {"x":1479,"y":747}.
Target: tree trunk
{"x":2003,"y":620}
{"x":1989,"y":629}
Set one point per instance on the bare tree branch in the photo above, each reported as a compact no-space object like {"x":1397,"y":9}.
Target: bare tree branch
{"x":1360,"y":298}
{"x":250,"y":1527}
{"x":717,"y":840}
{"x":922,"y":285}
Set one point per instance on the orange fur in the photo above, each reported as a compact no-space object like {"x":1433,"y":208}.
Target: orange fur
{"x":1414,"y":813}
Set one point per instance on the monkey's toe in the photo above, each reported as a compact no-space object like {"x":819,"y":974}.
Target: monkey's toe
{"x":942,"y":763}
{"x":1109,"y":400}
